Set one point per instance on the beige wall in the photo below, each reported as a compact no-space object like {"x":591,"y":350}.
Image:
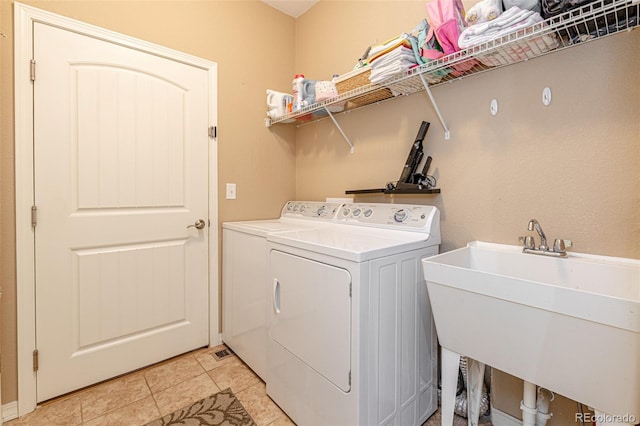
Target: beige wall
{"x":572,"y":165}
{"x":253,"y":46}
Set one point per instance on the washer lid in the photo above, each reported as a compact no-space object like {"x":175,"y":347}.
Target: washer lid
{"x":264,"y":227}
{"x":357,"y":244}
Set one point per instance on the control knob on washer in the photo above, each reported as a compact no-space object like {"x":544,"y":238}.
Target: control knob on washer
{"x":401,"y":215}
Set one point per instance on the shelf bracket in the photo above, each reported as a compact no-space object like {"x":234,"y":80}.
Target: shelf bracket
{"x":447,"y":133}
{"x":340,"y":129}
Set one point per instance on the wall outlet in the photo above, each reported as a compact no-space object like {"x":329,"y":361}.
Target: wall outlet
{"x":231,"y":191}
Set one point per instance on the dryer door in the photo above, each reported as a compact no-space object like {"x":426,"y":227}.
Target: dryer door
{"x":312,"y":320}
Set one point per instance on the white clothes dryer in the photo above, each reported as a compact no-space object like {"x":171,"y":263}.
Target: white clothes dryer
{"x":245,"y":281}
{"x":351,"y":335}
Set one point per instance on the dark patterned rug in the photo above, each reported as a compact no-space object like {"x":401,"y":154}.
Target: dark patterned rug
{"x":223,"y":408}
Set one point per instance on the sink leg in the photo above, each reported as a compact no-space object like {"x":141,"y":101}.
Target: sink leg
{"x":475,"y":380}
{"x":449,"y":377}
{"x":604,"y":419}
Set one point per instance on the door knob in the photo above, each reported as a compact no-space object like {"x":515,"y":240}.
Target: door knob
{"x":200,"y":224}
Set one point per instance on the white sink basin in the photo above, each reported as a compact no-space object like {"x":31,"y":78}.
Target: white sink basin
{"x":571,"y":325}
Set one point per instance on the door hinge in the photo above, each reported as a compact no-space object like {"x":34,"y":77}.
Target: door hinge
{"x":349,"y":378}
{"x":34,"y":216}
{"x":213,"y":132}
{"x":35,"y":360}
{"x":350,"y":289}
{"x":32,"y":70}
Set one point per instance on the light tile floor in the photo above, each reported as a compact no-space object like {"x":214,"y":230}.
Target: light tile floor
{"x":150,"y":393}
{"x":147,"y":394}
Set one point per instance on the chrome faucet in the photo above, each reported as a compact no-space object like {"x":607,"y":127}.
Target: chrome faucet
{"x":559,"y":245}
{"x":534,"y":224}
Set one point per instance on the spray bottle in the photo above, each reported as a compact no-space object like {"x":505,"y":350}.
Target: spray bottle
{"x":298,"y":103}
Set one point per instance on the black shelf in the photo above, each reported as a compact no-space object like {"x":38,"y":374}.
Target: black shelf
{"x":394,"y":191}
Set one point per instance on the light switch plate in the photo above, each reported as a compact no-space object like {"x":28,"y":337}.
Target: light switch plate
{"x":231,"y":191}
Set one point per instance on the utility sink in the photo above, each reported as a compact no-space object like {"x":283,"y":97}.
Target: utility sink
{"x":571,"y":325}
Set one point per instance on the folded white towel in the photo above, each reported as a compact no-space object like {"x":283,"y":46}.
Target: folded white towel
{"x":386,"y":73}
{"x":522,"y":4}
{"x":397,"y":54}
{"x":511,"y":20}
{"x":483,"y":11}
{"x":394,"y":62}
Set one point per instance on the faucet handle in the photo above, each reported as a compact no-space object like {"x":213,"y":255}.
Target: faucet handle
{"x":560,"y":245}
{"x":528,"y":242}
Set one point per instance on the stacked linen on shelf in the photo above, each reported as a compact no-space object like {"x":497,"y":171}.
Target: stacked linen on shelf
{"x":391,"y":58}
{"x":513,"y":20}
{"x":509,"y":21}
{"x":428,"y":50}
{"x":483,"y":11}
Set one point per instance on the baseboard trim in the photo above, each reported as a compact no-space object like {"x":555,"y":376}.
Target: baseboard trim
{"x":499,"y":418}
{"x":10,"y":411}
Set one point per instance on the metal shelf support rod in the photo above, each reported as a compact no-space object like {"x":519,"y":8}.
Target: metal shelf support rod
{"x":447,"y":133}
{"x":340,"y":129}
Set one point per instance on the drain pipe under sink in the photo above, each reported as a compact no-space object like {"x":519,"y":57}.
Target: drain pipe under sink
{"x":535,"y":405}
{"x":542,"y":406}
{"x":528,"y":405}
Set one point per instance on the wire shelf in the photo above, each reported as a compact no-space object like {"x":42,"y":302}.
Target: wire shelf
{"x":575,"y":27}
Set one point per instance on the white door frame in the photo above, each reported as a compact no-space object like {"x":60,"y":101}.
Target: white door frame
{"x":24,"y":16}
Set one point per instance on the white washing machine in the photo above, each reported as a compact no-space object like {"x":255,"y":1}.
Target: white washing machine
{"x":245,"y":281}
{"x":351,"y":335}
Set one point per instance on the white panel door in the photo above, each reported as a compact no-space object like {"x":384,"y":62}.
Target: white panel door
{"x":121,"y":170}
